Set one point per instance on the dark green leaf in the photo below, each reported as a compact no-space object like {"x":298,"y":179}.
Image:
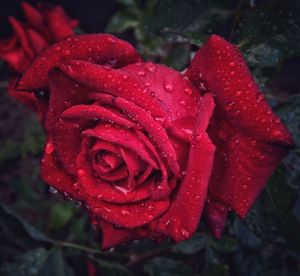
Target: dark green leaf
{"x":290,"y":115}
{"x":60,"y":214}
{"x":225,"y":244}
{"x":167,"y":267}
{"x":38,"y":262}
{"x":274,"y":24}
{"x":121,"y":22}
{"x":192,"y":18}
{"x":193,"y":245}
{"x":18,"y":230}
{"x":112,"y":268}
{"x":271,"y":216}
{"x":178,"y":56}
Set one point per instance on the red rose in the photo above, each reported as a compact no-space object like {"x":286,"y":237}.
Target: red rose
{"x":147,"y":148}
{"x":43,"y":26}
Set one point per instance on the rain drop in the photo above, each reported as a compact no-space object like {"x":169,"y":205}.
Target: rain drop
{"x":168,"y":87}
{"x":185,"y":234}
{"x":49,"y":148}
{"x":188,"y":91}
{"x":52,"y":190}
{"x":81,"y":172}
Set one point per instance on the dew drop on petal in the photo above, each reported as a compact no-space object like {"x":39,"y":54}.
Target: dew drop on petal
{"x":188,"y":91}
{"x":185,"y":233}
{"x":49,"y":148}
{"x":81,"y":172}
{"x":168,"y":87}
{"x":52,"y":190}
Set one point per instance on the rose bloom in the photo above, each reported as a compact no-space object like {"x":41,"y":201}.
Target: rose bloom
{"x":148,"y":150}
{"x":43,"y":26}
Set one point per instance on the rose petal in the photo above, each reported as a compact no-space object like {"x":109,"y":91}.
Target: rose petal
{"x":95,"y":112}
{"x":216,"y":216}
{"x":99,"y":48}
{"x":129,"y":215}
{"x":122,"y":137}
{"x":168,"y":87}
{"x":248,"y":135}
{"x":111,"y":81}
{"x":54,"y":174}
{"x":182,"y":218}
{"x":97,"y":190}
{"x":59,"y":23}
{"x":153,"y":128}
{"x":22,"y":36}
{"x":237,"y":94}
{"x":112,"y":236}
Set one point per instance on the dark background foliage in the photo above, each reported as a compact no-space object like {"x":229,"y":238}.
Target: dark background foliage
{"x":42,"y":233}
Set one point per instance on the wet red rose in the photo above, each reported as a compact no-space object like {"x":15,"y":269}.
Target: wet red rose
{"x":147,"y":149}
{"x":44,"y":25}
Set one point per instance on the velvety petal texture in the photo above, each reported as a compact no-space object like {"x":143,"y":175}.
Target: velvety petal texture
{"x":248,"y":135}
{"x":146,"y":149}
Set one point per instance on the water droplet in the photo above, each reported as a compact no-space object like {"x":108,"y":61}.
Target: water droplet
{"x":276,"y":133}
{"x":81,"y":172}
{"x":188,"y":91}
{"x":185,"y":233}
{"x":277,"y":121}
{"x":231,"y":64}
{"x":153,"y":94}
{"x":232,"y":73}
{"x":125,"y":212}
{"x":182,"y":102}
{"x":245,"y":187}
{"x":168,"y":87}
{"x":57,"y":48}
{"x":259,"y":98}
{"x":229,"y":106}
{"x":52,"y":190}
{"x":238,"y":93}
{"x":141,"y":73}
{"x":198,"y":137}
{"x":125,"y":77}
{"x":68,"y":52}
{"x":49,"y":148}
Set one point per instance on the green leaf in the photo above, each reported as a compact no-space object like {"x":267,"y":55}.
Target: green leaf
{"x":290,"y":115}
{"x":167,"y":267}
{"x":18,"y":231}
{"x":121,"y":22}
{"x":60,"y":215}
{"x":274,"y":23}
{"x":271,"y":217}
{"x":112,"y":268}
{"x":38,"y":262}
{"x":191,"y":18}
{"x":262,"y":55}
{"x":178,"y":56}
{"x":225,"y":244}
{"x":191,"y":246}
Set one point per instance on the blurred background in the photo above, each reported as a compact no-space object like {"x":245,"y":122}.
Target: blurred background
{"x":42,"y":233}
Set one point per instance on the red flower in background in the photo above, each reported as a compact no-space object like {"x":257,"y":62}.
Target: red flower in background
{"x":44,"y":25}
{"x":147,"y":149}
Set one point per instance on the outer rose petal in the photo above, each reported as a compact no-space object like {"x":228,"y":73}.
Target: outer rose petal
{"x":112,"y":236}
{"x":99,"y":48}
{"x":182,"y":219}
{"x":59,"y":23}
{"x":13,"y":54}
{"x":249,"y":137}
{"x":236,"y":93}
